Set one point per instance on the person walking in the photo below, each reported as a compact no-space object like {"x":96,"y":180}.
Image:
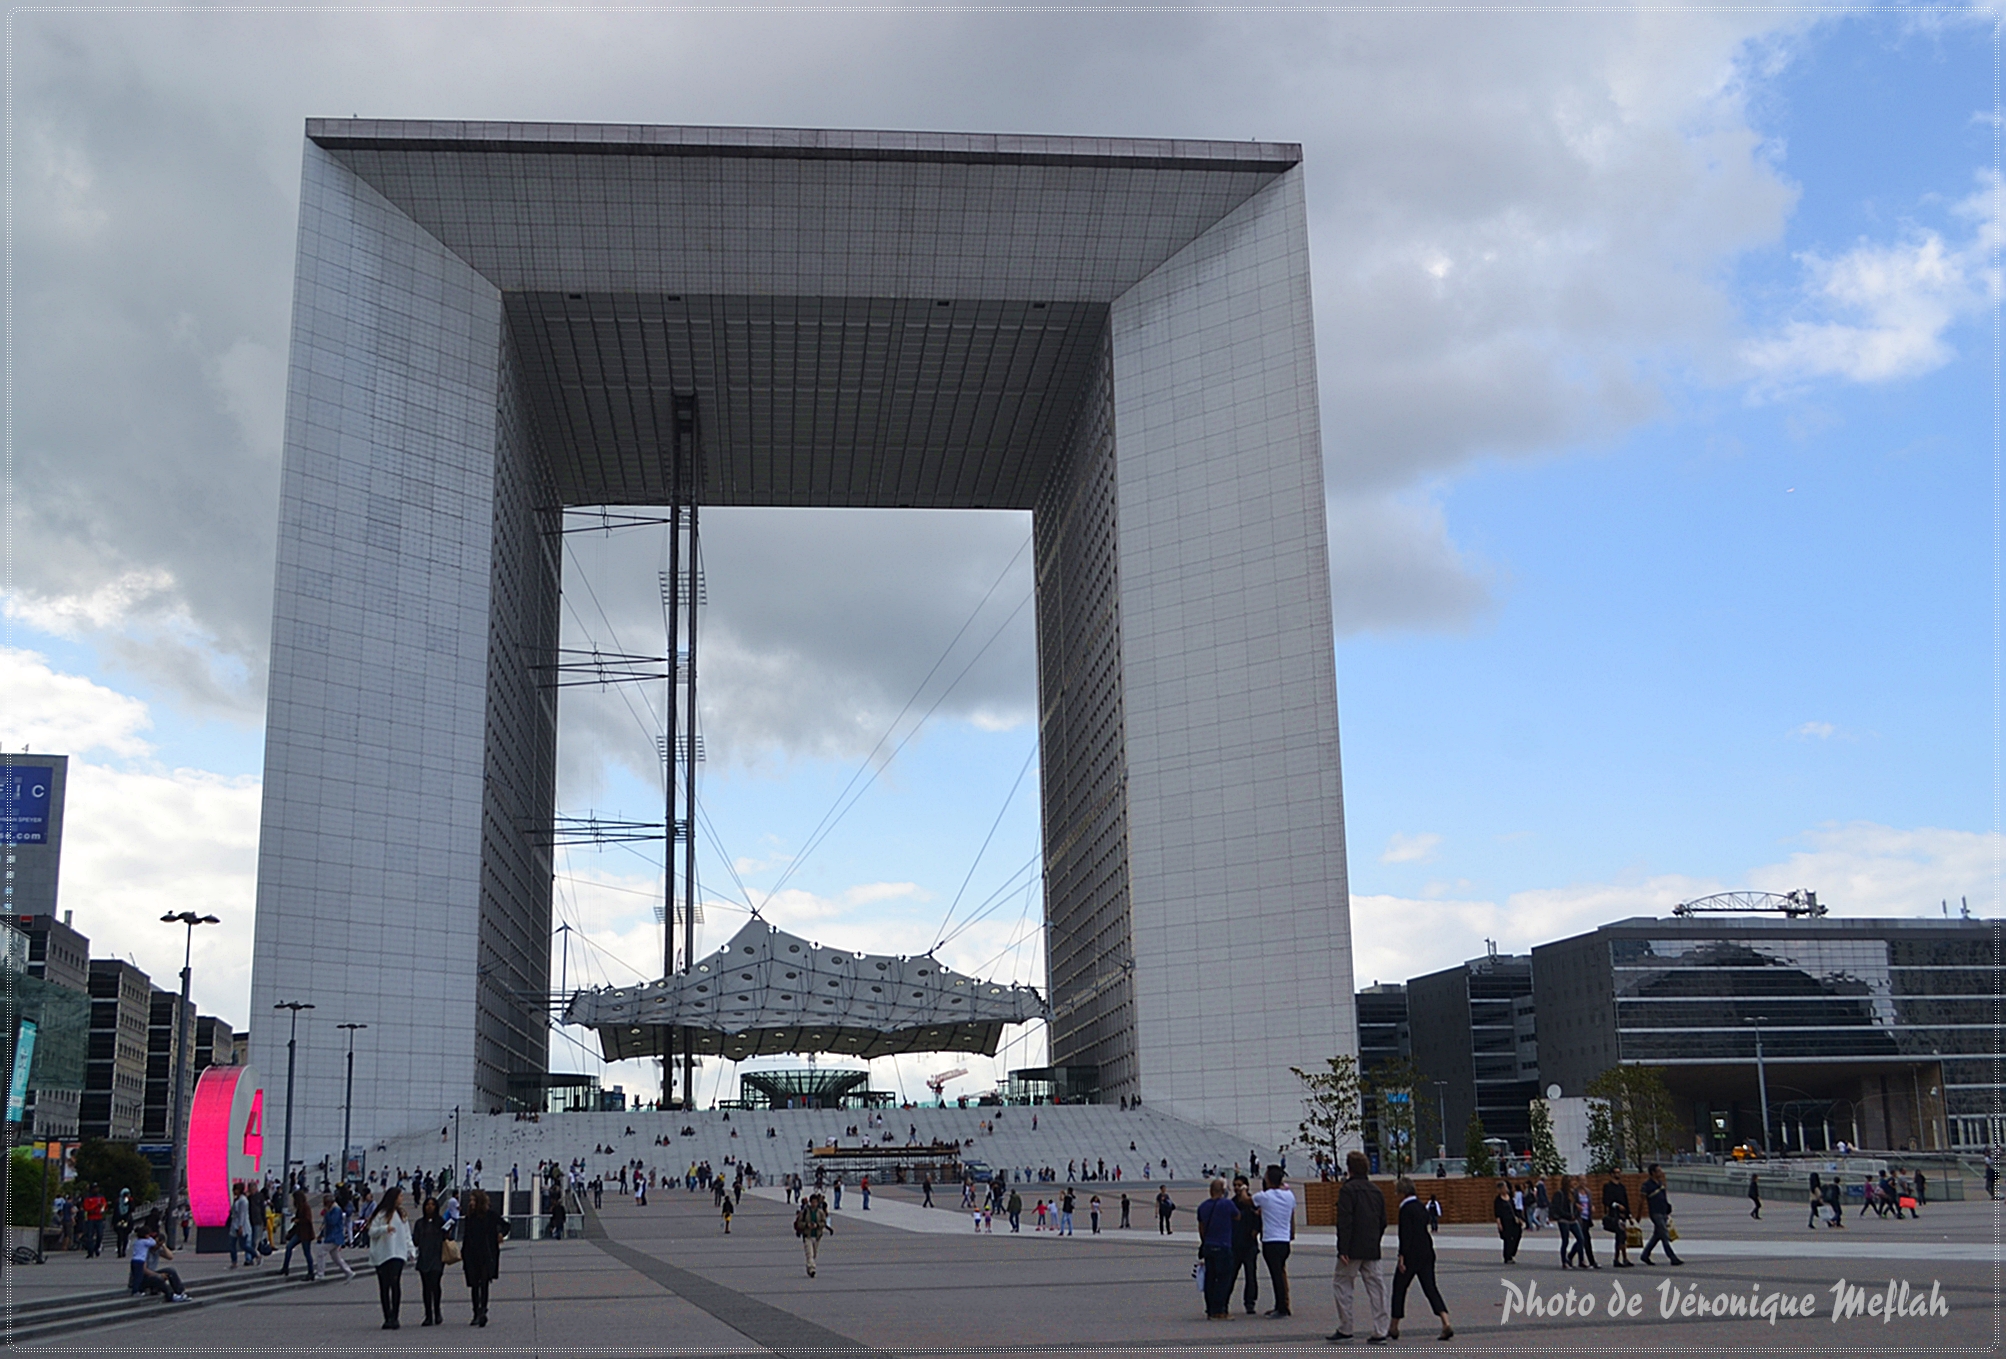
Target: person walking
{"x":1276,"y":1204}
{"x":725,"y":1211}
{"x":1094,"y":1215}
{"x":1921,"y":1191}
{"x":1584,"y":1224}
{"x":1164,"y":1208}
{"x":810,"y":1223}
{"x":1510,"y":1228}
{"x":390,"y":1248}
{"x":1616,"y":1219}
{"x":94,"y":1207}
{"x":481,"y":1233}
{"x":1561,"y":1206}
{"x":1835,"y":1203}
{"x":1361,"y":1222}
{"x":1755,"y":1197}
{"x":926,"y":1191}
{"x":1124,"y":1212}
{"x":334,"y":1236}
{"x":1216,"y":1216}
{"x":299,"y":1236}
{"x":121,"y":1222}
{"x":240,"y":1226}
{"x":1066,"y":1213}
{"x":1247,"y":1243}
{"x":1817,"y":1199}
{"x":1416,"y":1261}
{"x":428,"y":1236}
{"x":1016,"y":1211}
{"x":1658,"y":1204}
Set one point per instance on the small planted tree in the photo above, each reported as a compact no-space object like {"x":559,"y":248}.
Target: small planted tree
{"x":1476,"y":1152}
{"x":1605,"y":1152}
{"x":1399,"y":1110}
{"x":1330,"y":1105}
{"x":1546,"y":1157}
{"x":1642,"y":1124}
{"x":113,"y":1166}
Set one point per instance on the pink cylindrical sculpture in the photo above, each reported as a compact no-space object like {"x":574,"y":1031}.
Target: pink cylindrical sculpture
{"x":226,"y":1140}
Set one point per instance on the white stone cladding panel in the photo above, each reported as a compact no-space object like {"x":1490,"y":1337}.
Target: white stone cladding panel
{"x":1239,"y":904}
{"x":369,"y":867}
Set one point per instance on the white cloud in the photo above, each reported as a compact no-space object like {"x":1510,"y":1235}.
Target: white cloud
{"x":1857,"y":869}
{"x":1392,"y":566}
{"x":68,"y":714}
{"x":1882,"y":310}
{"x":1890,"y":305}
{"x":137,"y":845}
{"x":1814,"y":731}
{"x":1410,"y":849}
{"x":140,"y":841}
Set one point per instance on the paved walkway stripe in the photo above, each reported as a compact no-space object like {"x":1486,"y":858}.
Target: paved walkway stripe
{"x":762,"y":1323}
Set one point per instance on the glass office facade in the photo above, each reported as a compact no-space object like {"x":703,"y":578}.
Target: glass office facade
{"x":1878,"y":1032}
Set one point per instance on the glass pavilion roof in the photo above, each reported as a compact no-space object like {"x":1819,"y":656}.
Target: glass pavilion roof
{"x":768,"y":992}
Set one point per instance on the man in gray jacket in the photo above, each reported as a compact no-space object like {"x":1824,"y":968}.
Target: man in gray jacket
{"x":1361,"y":1222}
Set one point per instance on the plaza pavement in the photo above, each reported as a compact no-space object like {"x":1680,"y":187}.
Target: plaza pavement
{"x":904,"y":1279}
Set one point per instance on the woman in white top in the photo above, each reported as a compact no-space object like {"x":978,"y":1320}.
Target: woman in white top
{"x":390,"y":1245}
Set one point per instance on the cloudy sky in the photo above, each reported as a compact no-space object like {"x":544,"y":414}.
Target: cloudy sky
{"x":1655,"y":363}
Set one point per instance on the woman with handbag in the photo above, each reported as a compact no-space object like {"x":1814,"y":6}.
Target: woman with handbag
{"x":428,"y":1234}
{"x":1616,"y":1218}
{"x":1561,"y":1208}
{"x":299,"y":1236}
{"x":481,"y":1233}
{"x":390,"y":1247}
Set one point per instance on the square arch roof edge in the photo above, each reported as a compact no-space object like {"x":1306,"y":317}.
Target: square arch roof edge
{"x":756,"y":143}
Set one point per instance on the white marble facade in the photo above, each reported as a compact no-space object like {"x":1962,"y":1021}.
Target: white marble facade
{"x":484,"y":319}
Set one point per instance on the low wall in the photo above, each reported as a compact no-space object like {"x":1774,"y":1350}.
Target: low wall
{"x":1463,"y":1198}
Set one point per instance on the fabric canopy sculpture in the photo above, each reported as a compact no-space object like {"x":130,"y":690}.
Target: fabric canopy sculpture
{"x":769,"y":992}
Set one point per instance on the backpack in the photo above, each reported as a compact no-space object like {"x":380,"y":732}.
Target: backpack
{"x":801,"y":1221}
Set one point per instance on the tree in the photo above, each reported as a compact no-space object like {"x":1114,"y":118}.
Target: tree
{"x":1330,"y":1104}
{"x":1546,"y":1157}
{"x":1642,"y":1125}
{"x":1605,"y":1154}
{"x":1398,"y":1110}
{"x":1476,"y":1153}
{"x":113,"y":1166}
{"x":29,"y":1188}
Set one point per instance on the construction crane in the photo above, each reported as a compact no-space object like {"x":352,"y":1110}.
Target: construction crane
{"x":938,"y":1082}
{"x":1792,"y":904}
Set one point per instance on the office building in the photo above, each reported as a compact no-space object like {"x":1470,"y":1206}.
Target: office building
{"x":494,"y":321}
{"x":163,"y":1036}
{"x":1471,"y":1027}
{"x":31,"y":831}
{"x":61,"y":957}
{"x":1884,"y":1034}
{"x":114,"y":1095}
{"x":215,"y":1044}
{"x":1382,"y":1039}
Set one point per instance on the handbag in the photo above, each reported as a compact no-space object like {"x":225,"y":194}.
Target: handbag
{"x":1198,"y":1275}
{"x":1671,"y":1232}
{"x":449,"y":1253}
{"x":1633,"y":1236}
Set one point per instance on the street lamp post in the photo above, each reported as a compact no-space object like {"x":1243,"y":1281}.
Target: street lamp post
{"x":292,"y":1051}
{"x":1442,"y":1112}
{"x":458,"y":1188}
{"x":175,"y":1140}
{"x":1761,"y":1082}
{"x":348,"y":1101}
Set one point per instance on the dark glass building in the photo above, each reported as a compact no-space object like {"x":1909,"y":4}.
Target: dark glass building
{"x":1382,"y":1038}
{"x":1471,"y":1027}
{"x":1881,"y":1033}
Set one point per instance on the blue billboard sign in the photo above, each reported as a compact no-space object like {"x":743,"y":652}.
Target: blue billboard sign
{"x":24,"y":803}
{"x":24,"y":1058}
